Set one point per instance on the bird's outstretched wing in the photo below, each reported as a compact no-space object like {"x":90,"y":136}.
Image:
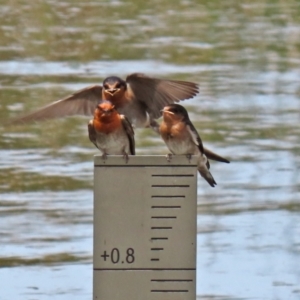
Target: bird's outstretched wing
{"x":82,"y":102}
{"x":157,"y":93}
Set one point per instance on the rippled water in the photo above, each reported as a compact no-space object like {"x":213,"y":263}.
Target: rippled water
{"x":245,"y":56}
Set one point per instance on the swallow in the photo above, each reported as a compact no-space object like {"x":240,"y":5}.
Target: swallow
{"x":111,"y":132}
{"x":182,"y":138}
{"x":140,"y":98}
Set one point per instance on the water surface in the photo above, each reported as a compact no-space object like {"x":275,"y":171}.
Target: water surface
{"x":245,"y":56}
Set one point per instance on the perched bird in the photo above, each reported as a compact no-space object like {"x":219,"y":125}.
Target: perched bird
{"x":181,"y":137}
{"x":111,"y":132}
{"x":140,"y":98}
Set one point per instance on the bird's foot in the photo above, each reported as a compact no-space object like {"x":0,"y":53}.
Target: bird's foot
{"x":126,"y":157}
{"x":104,"y":156}
{"x":169,"y":157}
{"x":189,"y":157}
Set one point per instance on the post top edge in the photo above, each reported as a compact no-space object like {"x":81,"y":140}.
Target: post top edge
{"x":149,"y":160}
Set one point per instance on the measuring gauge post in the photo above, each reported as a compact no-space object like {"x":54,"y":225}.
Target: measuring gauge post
{"x":145,"y":228}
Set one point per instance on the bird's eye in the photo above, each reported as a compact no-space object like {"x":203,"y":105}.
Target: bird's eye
{"x":118,"y":85}
{"x":106,"y":86}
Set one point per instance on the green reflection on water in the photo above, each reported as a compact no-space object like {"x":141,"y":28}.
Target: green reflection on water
{"x":12,"y":180}
{"x":53,"y":259}
{"x":213,"y":209}
{"x":178,"y":31}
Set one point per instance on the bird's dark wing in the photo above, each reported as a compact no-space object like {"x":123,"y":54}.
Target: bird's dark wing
{"x":82,"y":102}
{"x":195,"y":136}
{"x":130,"y":134}
{"x":157,"y":93}
{"x":211,"y":155}
{"x":92,"y":133}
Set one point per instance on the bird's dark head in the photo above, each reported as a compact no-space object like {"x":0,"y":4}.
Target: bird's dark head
{"x":175,"y":113}
{"x":113,"y":86}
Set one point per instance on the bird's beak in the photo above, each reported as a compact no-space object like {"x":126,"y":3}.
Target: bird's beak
{"x":111,"y":91}
{"x":167,"y":111}
{"x":106,"y":112}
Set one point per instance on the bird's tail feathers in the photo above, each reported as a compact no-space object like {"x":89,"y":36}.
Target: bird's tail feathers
{"x":203,"y":168}
{"x":208,"y":177}
{"x":214,"y":156}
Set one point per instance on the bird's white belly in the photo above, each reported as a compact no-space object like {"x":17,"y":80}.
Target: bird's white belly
{"x":113,"y":144}
{"x":186,"y":146}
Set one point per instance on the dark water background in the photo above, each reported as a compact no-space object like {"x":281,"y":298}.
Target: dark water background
{"x":246,"y":57}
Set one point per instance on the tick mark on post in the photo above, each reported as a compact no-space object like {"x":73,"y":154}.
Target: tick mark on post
{"x":159,"y":238}
{"x":163,"y":217}
{"x":166,"y":206}
{"x":172,"y":280}
{"x":168,"y":196}
{"x":171,"y":185}
{"x":172,"y":175}
{"x":154,"y":259}
{"x":162,"y":227}
{"x":169,"y":291}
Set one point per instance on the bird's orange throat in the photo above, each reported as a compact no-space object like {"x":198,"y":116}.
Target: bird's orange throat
{"x":171,"y":119}
{"x":171,"y":128}
{"x":107,"y":124}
